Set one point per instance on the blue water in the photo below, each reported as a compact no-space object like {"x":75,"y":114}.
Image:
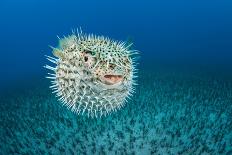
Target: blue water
{"x":183,"y":101}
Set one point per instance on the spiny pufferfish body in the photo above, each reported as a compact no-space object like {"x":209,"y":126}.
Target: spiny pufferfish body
{"x":93,"y":75}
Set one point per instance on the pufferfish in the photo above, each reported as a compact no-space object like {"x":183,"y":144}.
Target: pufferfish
{"x":93,"y":75}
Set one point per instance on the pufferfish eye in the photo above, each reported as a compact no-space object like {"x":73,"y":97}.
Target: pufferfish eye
{"x":87,"y":54}
{"x":86,"y":58}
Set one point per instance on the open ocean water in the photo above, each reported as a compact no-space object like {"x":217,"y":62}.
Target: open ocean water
{"x":183,"y":101}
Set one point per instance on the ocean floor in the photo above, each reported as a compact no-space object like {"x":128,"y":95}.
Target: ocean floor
{"x":171,"y":113}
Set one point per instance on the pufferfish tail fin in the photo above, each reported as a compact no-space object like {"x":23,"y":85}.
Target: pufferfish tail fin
{"x":130,"y":46}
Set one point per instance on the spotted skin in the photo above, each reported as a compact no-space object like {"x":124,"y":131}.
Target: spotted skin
{"x":93,"y":75}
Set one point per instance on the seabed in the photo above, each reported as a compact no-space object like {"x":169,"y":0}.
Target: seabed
{"x":171,"y":113}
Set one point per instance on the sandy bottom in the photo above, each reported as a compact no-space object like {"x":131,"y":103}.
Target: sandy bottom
{"x":169,"y":114}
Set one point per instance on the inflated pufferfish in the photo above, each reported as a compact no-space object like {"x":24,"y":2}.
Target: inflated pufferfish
{"x":93,"y":75}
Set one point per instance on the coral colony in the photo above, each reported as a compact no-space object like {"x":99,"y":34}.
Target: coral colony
{"x":94,"y":75}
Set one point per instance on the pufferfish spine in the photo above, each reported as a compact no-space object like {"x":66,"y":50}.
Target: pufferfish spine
{"x":92,"y":75}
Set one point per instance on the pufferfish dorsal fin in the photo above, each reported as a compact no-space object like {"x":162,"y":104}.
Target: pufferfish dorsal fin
{"x":57,"y":52}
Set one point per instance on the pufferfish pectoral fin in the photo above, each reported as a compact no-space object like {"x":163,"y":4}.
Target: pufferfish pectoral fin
{"x":58,"y":53}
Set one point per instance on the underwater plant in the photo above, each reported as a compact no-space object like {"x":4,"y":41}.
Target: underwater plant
{"x":93,"y":75}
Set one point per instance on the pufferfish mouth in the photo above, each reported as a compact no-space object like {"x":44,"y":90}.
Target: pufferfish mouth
{"x":110,"y":79}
